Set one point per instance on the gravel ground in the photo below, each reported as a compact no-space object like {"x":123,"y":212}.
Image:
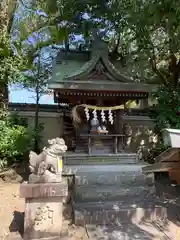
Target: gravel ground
{"x":11,"y":210}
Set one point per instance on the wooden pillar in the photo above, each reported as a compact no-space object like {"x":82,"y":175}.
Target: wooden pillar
{"x":63,"y":124}
{"x":116,"y":144}
{"x":119,"y":129}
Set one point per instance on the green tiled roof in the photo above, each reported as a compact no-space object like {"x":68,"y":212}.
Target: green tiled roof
{"x":64,"y":69}
{"x":71,"y":70}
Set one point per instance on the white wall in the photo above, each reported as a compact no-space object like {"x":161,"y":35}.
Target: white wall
{"x":53,"y":124}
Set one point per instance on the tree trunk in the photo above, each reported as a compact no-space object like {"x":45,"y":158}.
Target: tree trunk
{"x":7,"y":12}
{"x":36,"y":122}
{"x":3,"y":100}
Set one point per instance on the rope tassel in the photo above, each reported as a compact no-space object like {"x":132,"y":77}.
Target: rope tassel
{"x":103,"y":116}
{"x":86,"y":110}
{"x":110,"y":117}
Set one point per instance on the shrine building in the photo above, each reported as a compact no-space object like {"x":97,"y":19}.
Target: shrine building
{"x":97,"y":93}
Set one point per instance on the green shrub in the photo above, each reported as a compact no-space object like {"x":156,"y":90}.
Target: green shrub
{"x":15,"y":142}
{"x":166,"y":113}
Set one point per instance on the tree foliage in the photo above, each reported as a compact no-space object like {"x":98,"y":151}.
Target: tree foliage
{"x":9,"y":62}
{"x":142,"y":34}
{"x":167,"y":111}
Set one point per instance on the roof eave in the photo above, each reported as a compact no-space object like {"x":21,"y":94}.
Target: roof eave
{"x":104,"y":86}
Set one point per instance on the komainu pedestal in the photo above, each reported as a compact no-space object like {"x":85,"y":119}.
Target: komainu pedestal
{"x":44,"y":193}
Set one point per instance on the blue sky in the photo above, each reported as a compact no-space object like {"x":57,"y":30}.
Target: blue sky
{"x":18,"y":95}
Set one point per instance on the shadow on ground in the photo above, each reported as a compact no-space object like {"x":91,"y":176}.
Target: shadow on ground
{"x":155,"y":218}
{"x":17,"y":224}
{"x":132,"y":228}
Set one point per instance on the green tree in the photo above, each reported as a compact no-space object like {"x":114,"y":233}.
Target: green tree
{"x":12,"y":48}
{"x":149,"y":31}
{"x":9,"y":63}
{"x":36,"y":81}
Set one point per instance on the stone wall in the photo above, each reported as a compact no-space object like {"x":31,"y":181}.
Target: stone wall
{"x":140,"y":131}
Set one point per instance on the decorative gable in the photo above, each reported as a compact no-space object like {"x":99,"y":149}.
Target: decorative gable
{"x":97,"y":69}
{"x":99,"y":72}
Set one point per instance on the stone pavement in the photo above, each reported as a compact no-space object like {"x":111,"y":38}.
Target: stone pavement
{"x":143,"y":231}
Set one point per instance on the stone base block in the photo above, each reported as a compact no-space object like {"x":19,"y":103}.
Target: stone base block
{"x":43,"y":210}
{"x":43,"y":218}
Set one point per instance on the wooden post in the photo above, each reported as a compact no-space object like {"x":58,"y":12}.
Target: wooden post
{"x":89,"y":145}
{"x":115,"y":144}
{"x":119,"y":130}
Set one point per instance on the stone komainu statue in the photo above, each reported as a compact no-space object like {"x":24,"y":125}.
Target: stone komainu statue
{"x":47,"y":166}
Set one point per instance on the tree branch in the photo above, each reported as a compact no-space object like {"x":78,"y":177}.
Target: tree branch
{"x":156,"y":70}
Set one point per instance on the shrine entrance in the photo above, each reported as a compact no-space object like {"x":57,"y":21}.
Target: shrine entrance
{"x":96,"y":130}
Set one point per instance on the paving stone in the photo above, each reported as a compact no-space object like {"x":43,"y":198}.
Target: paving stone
{"x":144,"y":231}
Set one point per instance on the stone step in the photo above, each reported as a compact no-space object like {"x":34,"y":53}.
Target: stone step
{"x":114,"y":212}
{"x":95,"y":193}
{"x":117,"y":180}
{"x":109,"y":174}
{"x":105,"y":168}
{"x":120,"y":158}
